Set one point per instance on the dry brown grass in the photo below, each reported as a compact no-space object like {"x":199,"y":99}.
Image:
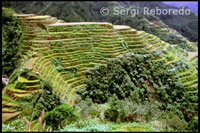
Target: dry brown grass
{"x":7,"y":116}
{"x":191,"y":55}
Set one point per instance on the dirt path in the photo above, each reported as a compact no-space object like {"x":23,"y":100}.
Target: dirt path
{"x":31,"y":62}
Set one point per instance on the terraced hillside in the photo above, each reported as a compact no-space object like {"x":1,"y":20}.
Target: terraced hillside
{"x":22,"y":86}
{"x":91,"y":11}
{"x":167,"y":34}
{"x":62,"y":53}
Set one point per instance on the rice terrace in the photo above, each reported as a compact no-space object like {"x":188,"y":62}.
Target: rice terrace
{"x":69,"y":68}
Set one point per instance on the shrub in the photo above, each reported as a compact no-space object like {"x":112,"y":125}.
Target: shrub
{"x":112,"y":113}
{"x":41,"y":100}
{"x":15,"y":125}
{"x":12,"y":40}
{"x":174,"y":121}
{"x":128,"y":110}
{"x":193,"y":125}
{"x":60,"y":116}
{"x":27,"y":109}
{"x":46,"y":100}
{"x":87,"y":125}
{"x":87,"y":108}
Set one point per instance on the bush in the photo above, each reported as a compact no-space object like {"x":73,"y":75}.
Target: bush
{"x":88,"y":109}
{"x":112,"y":113}
{"x":87,"y":125}
{"x":41,"y":100}
{"x":60,"y":116}
{"x":193,"y":125}
{"x":15,"y":125}
{"x":174,"y":121}
{"x":12,"y":40}
{"x":128,"y":110}
{"x":46,"y":100}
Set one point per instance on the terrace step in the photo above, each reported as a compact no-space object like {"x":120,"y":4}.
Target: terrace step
{"x":6,"y":104}
{"x":190,"y":83}
{"x":72,"y":96}
{"x":8,"y":116}
{"x":8,"y":110}
{"x":23,"y":95}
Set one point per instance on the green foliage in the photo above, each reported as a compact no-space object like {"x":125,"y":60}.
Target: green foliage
{"x":15,"y":125}
{"x":128,"y":110}
{"x":112,"y":113}
{"x":12,"y":40}
{"x":141,"y":80}
{"x":94,"y":125}
{"x":87,"y":125}
{"x":136,"y":127}
{"x":27,"y":109}
{"x":124,"y":75}
{"x":20,"y":85}
{"x":193,"y":125}
{"x":61,"y":115}
{"x":88,"y":109}
{"x":40,"y":127}
{"x":46,"y":100}
{"x":173,"y":121}
{"x":57,"y":63}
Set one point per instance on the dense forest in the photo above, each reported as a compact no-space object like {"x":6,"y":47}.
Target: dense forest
{"x":65,"y":67}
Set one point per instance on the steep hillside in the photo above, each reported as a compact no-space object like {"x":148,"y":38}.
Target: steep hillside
{"x":76,"y":47}
{"x":62,"y":53}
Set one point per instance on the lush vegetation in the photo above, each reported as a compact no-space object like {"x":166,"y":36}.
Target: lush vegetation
{"x":96,"y":77}
{"x":60,"y":116}
{"x":139,"y":81}
{"x":12,"y":40}
{"x":44,"y":100}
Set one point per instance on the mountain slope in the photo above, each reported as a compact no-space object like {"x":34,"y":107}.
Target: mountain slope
{"x":186,"y":25}
{"x":63,"y":52}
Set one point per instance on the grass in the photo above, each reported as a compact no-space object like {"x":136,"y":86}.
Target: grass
{"x":95,"y":125}
{"x":24,"y":80}
{"x":135,"y":127}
